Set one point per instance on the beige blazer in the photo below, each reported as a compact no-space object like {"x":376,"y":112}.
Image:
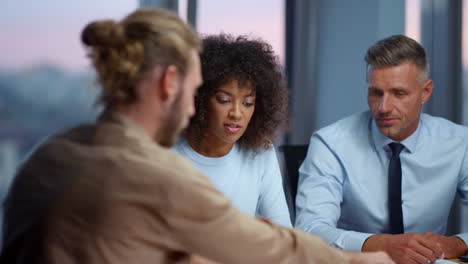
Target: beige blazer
{"x":106,"y":193}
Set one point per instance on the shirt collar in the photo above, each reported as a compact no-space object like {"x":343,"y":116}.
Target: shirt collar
{"x":381,"y":141}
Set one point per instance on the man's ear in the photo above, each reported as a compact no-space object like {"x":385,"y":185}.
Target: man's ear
{"x":169,"y":82}
{"x":427,"y":91}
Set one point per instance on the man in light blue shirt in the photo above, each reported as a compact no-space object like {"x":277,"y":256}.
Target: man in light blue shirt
{"x":359,"y":193}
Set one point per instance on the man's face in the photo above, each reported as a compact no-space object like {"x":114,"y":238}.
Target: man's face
{"x":395,"y":97}
{"x":183,"y":106}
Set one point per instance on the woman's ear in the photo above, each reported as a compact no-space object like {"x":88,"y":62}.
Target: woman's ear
{"x":169,"y":83}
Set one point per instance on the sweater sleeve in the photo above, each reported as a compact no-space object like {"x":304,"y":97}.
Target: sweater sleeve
{"x":272,"y":202}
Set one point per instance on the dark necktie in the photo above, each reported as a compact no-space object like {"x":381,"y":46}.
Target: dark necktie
{"x":394,"y":190}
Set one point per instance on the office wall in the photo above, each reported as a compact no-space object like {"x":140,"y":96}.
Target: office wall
{"x":345,"y":30}
{"x":327,"y":70}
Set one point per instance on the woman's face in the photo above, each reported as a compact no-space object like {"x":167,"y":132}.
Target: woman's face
{"x":230,"y":109}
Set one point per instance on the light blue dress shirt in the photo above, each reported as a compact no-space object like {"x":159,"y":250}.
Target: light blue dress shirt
{"x":251,"y":181}
{"x":342,"y":193}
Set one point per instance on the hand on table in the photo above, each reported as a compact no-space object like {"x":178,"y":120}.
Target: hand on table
{"x":408,"y":248}
{"x":452,"y":246}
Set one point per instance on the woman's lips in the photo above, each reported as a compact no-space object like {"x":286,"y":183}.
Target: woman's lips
{"x":232,"y":128}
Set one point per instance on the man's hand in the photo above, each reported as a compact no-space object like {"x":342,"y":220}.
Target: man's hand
{"x":408,"y":248}
{"x":369,"y":258}
{"x":452,"y":246}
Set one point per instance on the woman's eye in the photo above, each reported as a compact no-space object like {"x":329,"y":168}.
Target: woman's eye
{"x":249,"y":104}
{"x":222,"y":100}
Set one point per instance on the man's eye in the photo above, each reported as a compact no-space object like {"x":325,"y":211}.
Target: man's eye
{"x":375,"y":93}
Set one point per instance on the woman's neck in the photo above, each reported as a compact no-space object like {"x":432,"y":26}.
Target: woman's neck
{"x":209,"y":147}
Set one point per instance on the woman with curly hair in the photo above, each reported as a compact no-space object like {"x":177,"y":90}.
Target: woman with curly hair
{"x":239,"y":109}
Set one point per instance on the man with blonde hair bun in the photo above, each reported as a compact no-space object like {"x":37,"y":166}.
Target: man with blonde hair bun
{"x":112,"y":192}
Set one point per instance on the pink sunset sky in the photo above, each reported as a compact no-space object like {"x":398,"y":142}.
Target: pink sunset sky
{"x":48,"y":31}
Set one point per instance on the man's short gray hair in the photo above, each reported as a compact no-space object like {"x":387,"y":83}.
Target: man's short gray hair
{"x":396,"y":50}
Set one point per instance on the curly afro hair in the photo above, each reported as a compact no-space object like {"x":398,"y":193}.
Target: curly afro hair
{"x":226,"y":58}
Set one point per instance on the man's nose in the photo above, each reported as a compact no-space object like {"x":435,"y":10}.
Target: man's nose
{"x":385,"y":104}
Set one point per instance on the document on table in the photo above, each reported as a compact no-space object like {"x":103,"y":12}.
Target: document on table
{"x":443,"y":261}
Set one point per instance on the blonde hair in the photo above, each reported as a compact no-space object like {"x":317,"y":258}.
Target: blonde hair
{"x":123,"y":52}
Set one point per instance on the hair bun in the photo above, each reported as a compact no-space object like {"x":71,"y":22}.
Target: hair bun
{"x":103,"y":33}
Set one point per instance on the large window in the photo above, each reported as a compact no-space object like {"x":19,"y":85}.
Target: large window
{"x":46,"y":83}
{"x":413,"y":19}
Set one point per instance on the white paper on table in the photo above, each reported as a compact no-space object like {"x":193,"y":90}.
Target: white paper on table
{"x":443,"y":261}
